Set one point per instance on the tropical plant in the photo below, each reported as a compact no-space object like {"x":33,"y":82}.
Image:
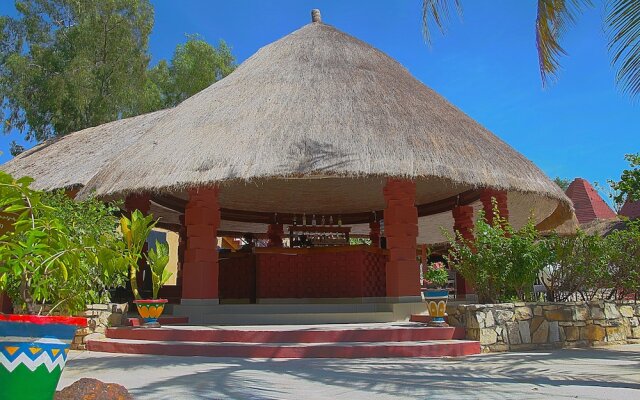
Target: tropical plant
{"x":135,"y":231}
{"x":158,"y":259}
{"x":554,"y":17}
{"x":49,"y":263}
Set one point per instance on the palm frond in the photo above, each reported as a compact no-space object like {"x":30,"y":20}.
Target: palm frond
{"x":623,"y":27}
{"x":553,"y":18}
{"x":438,"y":10}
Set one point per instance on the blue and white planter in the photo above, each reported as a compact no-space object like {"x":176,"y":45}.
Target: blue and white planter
{"x":436,"y":300}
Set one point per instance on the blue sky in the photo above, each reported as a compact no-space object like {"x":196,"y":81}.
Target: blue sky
{"x":486,"y":65}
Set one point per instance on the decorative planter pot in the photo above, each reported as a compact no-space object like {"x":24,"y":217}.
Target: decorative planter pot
{"x":150,"y":310}
{"x":33,"y":352}
{"x":436,"y":300}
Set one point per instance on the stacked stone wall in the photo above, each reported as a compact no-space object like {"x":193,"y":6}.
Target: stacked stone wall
{"x":99,"y":318}
{"x":527,"y":326}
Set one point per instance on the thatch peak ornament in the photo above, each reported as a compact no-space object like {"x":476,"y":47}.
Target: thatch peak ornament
{"x":315,"y":15}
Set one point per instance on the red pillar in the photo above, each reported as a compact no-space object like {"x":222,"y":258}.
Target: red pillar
{"x":463,"y":223}
{"x":500,"y":196}
{"x":141,"y":202}
{"x":275,"y":232}
{"x":374,"y":233}
{"x":401,"y":231}
{"x":200,"y":268}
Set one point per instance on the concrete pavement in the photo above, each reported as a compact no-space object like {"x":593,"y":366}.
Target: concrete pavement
{"x":605,"y":373}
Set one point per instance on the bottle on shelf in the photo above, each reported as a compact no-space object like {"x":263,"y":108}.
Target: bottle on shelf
{"x":323,"y":221}
{"x":331,"y":220}
{"x":339,"y":221}
{"x":313,"y":220}
{"x":304,"y":219}
{"x":294,"y":220}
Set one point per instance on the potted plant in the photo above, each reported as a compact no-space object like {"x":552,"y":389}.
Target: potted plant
{"x":45,"y":268}
{"x":135,"y":231}
{"x":150,"y":310}
{"x":435,"y":293}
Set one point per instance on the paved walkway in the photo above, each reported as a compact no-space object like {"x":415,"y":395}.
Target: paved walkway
{"x":608,"y":373}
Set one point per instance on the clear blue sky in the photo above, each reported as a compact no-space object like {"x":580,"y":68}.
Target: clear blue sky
{"x":486,"y":65}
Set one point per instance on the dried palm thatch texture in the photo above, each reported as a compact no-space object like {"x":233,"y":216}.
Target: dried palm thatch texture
{"x":319,"y":103}
{"x":72,"y":160}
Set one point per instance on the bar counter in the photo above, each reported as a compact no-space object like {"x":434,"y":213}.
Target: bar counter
{"x":302,"y":273}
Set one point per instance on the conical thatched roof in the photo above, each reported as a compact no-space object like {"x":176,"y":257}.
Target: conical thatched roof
{"x":71,"y":161}
{"x":319,"y":103}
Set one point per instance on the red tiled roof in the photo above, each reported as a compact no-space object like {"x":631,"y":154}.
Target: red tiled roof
{"x":587,"y":202}
{"x":631,"y":209}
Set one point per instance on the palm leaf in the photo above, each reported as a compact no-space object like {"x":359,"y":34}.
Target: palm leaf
{"x":623,"y":26}
{"x":438,"y":10}
{"x":553,"y":18}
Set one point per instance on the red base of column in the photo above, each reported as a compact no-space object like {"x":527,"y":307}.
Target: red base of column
{"x":275,"y":232}
{"x":401,"y":231}
{"x":200,"y":268}
{"x":463,"y":225}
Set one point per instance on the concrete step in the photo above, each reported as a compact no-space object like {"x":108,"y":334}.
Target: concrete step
{"x":435,"y":348}
{"x":166,"y":320}
{"x":386,"y":332}
{"x":298,"y":308}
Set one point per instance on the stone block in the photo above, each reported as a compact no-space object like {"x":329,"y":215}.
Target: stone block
{"x":571,"y":333}
{"x":559,"y":315}
{"x":525,"y":332}
{"x":488,"y":336}
{"x":616,"y":333}
{"x":626,"y":311}
{"x":523,"y":313}
{"x":117,"y":308}
{"x":489,"y":321}
{"x":554,"y":332}
{"x":541,"y":333}
{"x":592,"y":333}
{"x":537,"y":311}
{"x":99,"y":307}
{"x":597,"y":313}
{"x":503,"y":316}
{"x":499,"y":347}
{"x":580,"y":313}
{"x":635,"y":333}
{"x":513,"y":333}
{"x":611,"y":311}
{"x":634,"y":321}
{"x":473,"y":333}
{"x":535,"y":322}
{"x":474,"y":321}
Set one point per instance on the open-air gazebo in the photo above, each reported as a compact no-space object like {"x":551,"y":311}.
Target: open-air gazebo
{"x":317,"y":124}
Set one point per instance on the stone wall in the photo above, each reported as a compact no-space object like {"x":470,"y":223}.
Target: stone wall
{"x":99,"y":318}
{"x":526,"y":326}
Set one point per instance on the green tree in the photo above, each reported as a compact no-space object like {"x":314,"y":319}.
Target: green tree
{"x":562,"y":182}
{"x":70,"y":64}
{"x":195,"y":65}
{"x":621,"y":25}
{"x":628,"y":187}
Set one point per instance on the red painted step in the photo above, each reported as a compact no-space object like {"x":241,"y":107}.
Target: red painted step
{"x":161,"y":321}
{"x":326,"y":334}
{"x":435,"y":348}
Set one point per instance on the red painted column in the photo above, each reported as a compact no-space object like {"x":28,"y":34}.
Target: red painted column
{"x":200,"y":268}
{"x":374,"y":233}
{"x":275,"y":232}
{"x":401,"y":231}
{"x":463,"y":223}
{"x":141,"y":202}
{"x":486,"y":197}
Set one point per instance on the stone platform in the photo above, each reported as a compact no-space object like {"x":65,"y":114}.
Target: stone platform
{"x":375,"y":340}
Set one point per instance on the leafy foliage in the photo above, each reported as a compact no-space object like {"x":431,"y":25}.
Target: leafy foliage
{"x":134,"y":234}
{"x":195,"y":65}
{"x":71,"y":64}
{"x":562,"y":183}
{"x":66,"y":65}
{"x":501,"y":263}
{"x":53,"y":256}
{"x":436,"y":275}
{"x":158,"y":259}
{"x":628,"y":187}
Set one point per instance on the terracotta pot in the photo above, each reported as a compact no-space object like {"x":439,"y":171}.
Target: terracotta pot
{"x":436,"y":300}
{"x":150,"y":310}
{"x":33,"y":352}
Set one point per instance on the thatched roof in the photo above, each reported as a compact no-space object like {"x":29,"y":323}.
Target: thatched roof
{"x":319,"y":103}
{"x":72,"y":160}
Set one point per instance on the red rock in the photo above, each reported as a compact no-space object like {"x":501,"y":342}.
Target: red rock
{"x":93,"y":389}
